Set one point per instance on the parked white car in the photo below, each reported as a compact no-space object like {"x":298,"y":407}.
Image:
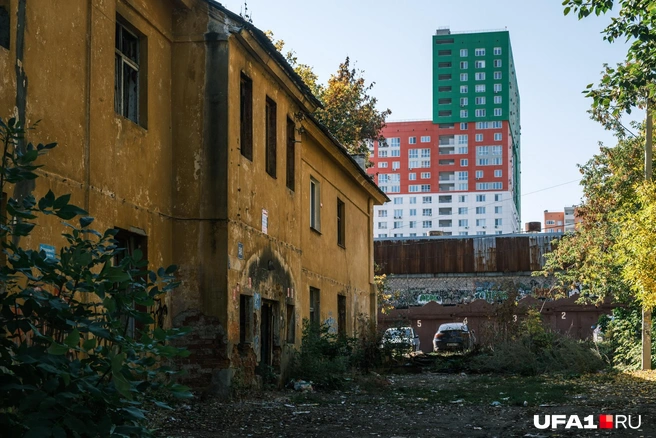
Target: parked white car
{"x":401,"y":338}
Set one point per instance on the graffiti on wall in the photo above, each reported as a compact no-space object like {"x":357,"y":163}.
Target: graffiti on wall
{"x":417,"y":291}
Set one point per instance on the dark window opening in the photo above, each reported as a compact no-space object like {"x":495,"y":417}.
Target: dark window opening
{"x":444,"y":101}
{"x":444,"y":113}
{"x":341,"y":315}
{"x":444,"y":65}
{"x":4,"y":27}
{"x":444,"y":89}
{"x":444,"y":41}
{"x":445,"y":77}
{"x":245,"y":319}
{"x":129,"y":88}
{"x":291,"y":155}
{"x":271,"y":137}
{"x":291,"y":324}
{"x":444,"y":53}
{"x":445,"y":125}
{"x":341,"y":223}
{"x":246,"y":116}
{"x":315,"y":306}
{"x":130,"y":245}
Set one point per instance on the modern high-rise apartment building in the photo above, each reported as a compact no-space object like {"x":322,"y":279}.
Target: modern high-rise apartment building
{"x":458,"y":174}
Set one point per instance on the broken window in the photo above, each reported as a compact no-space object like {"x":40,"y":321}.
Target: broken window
{"x":291,"y":324}
{"x":4,"y":25}
{"x":127,"y":87}
{"x":245,"y":319}
{"x":271,"y":137}
{"x":315,"y":304}
{"x":291,"y":155}
{"x":341,"y":225}
{"x":246,"y":116}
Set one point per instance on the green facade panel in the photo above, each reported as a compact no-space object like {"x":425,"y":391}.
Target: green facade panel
{"x":474,"y":80}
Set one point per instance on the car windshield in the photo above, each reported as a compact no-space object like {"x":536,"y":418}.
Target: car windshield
{"x":405,"y":332}
{"x":454,"y":326}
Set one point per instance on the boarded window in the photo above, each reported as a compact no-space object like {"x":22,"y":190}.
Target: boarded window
{"x":341,"y":222}
{"x":271,"y":138}
{"x":291,"y":155}
{"x":246,"y":116}
{"x":315,"y":306}
{"x":4,"y":27}
{"x":128,"y":89}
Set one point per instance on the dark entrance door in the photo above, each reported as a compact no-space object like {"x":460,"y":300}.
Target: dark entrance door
{"x":266,"y":332}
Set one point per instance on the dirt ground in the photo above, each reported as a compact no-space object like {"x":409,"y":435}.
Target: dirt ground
{"x":424,"y":405}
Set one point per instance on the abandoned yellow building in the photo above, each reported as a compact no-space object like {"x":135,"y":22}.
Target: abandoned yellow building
{"x":180,"y":124}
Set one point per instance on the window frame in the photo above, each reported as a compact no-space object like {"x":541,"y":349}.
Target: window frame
{"x":341,"y":223}
{"x":315,"y":205}
{"x":271,"y":137}
{"x":246,"y":116}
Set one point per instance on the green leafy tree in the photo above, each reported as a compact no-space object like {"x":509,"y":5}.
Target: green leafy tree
{"x":588,"y":258}
{"x":78,"y":358}
{"x":631,"y":83}
{"x":349,"y":110}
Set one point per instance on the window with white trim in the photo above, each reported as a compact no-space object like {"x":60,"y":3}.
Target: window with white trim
{"x":497,"y":63}
{"x":479,"y":113}
{"x":497,"y":51}
{"x":464,"y":89}
{"x":464,"y":113}
{"x":464,"y":65}
{"x":480,"y":198}
{"x":498,"y":99}
{"x":382,"y":164}
{"x":480,"y":100}
{"x":129,"y":86}
{"x":479,"y":174}
{"x":464,"y":162}
{"x":463,"y":52}
{"x":497,"y":112}
{"x":425,"y":139}
{"x":463,"y":126}
{"x":464,"y":77}
{"x":498,"y":173}
{"x":479,"y":76}
{"x":480,"y":88}
{"x":479,"y":52}
{"x":412,"y":176}
{"x":497,"y":75}
{"x":412,"y":140}
{"x":463,"y":175}
{"x":479,"y":64}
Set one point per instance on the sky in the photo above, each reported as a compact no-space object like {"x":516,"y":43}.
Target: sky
{"x":391,"y":42}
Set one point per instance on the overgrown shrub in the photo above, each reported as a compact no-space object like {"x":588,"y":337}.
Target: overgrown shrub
{"x":536,"y":350}
{"x":324,"y":357}
{"x":79,"y":354}
{"x":622,"y":338}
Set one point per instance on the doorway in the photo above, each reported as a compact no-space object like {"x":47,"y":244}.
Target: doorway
{"x":267,"y":332}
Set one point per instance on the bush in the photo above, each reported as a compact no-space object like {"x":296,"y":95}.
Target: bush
{"x":77,"y":355}
{"x":536,"y":350}
{"x":622,"y":334}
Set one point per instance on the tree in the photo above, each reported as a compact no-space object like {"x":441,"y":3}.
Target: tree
{"x":633,"y":82}
{"x":349,"y":111}
{"x":77,"y":355}
{"x":588,"y":258}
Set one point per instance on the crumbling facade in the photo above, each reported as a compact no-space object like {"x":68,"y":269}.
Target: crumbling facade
{"x":180,"y":124}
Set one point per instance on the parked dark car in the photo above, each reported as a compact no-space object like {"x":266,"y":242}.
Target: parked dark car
{"x":454,"y":336}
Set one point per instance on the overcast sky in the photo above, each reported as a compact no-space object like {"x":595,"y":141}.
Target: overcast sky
{"x":555,"y":57}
